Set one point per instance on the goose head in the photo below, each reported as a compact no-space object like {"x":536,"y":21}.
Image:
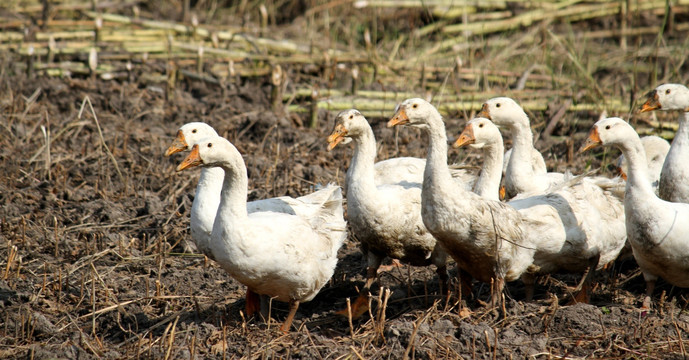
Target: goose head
{"x":413,"y":112}
{"x":667,"y":97}
{"x":348,"y":124}
{"x":609,"y":132}
{"x":188,"y":135}
{"x":478,"y":133}
{"x":503,"y":111}
{"x":213,"y":151}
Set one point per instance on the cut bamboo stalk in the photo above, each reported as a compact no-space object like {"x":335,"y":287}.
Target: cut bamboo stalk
{"x":76,"y":6}
{"x":313,"y":110}
{"x":624,"y":17}
{"x":559,"y":10}
{"x":430,"y":3}
{"x":29,"y":61}
{"x":194,"y":27}
{"x":93,"y":62}
{"x":264,"y":18}
{"x":98,"y":23}
{"x":199,"y":60}
{"x":52,"y":46}
{"x":374,"y":108}
{"x":276,"y":79}
{"x":355,"y":79}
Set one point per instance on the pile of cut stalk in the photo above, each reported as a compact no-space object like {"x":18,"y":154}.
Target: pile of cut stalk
{"x":346,"y":54}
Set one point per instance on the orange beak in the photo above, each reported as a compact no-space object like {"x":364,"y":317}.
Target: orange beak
{"x":400,"y":118}
{"x":465,"y":138}
{"x":592,"y":141}
{"x":180,"y":144}
{"x":652,"y":103}
{"x":484,"y":113}
{"x":337,"y":136}
{"x":502,"y":192}
{"x":192,"y":160}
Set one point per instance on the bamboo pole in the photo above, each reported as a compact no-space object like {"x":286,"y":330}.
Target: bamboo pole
{"x":374,"y":107}
{"x":560,"y":10}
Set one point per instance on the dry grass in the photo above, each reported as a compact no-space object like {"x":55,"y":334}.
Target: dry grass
{"x":94,"y":221}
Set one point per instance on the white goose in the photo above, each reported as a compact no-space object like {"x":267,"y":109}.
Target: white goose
{"x":287,"y":257}
{"x":581,"y":205}
{"x":386,"y":218}
{"x":461,"y":220}
{"x":658,"y":230}
{"x":656,"y":149}
{"x":482,"y":134}
{"x":501,"y":242}
{"x":207,"y":197}
{"x":674,"y":178}
{"x":523,"y":174}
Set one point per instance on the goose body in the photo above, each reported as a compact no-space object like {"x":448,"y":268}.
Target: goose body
{"x":284,"y":256}
{"x":674,"y":177}
{"x":564,"y":225}
{"x":658,"y":230}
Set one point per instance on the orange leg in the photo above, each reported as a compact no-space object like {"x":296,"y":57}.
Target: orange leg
{"x":360,"y":306}
{"x":293,"y":306}
{"x":583,"y":290}
{"x":583,"y":295}
{"x":395,"y":264}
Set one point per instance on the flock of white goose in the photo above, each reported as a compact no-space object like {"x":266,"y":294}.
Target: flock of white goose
{"x":419,"y":211}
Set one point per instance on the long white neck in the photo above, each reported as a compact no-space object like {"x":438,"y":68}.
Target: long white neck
{"x":520,"y":162}
{"x":682,"y":134}
{"x":207,"y":199}
{"x":360,"y":176}
{"x":638,"y":184}
{"x":437,"y":173}
{"x":488,"y":184}
{"x":207,"y":195}
{"x":233,"y":195}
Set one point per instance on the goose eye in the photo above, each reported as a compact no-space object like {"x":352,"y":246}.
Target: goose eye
{"x":415,"y":106}
{"x":607,"y":127}
{"x":351,"y":117}
{"x":667,"y":91}
{"x":193,"y":131}
{"x":210,"y":145}
{"x":497,"y":105}
{"x":480,"y":125}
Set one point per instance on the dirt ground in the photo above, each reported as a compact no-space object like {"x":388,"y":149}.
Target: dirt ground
{"x":98,"y":267}
{"x":96,"y":259}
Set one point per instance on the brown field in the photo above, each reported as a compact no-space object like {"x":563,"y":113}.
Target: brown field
{"x":95,"y":260}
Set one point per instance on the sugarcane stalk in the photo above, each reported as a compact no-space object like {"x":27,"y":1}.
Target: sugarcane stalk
{"x":313,"y":109}
{"x":277,"y":78}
